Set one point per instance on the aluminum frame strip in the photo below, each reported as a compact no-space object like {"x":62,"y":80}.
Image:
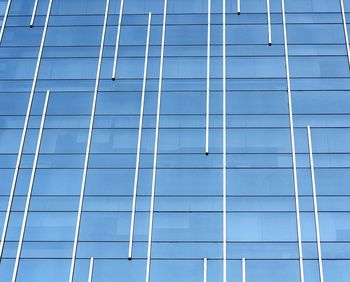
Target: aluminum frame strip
{"x":244,"y":276}
{"x":87,"y":153}
{"x":30,"y":189}
{"x":224,"y":200}
{"x":2,"y":30}
{"x":207,"y":112}
{"x":33,"y":13}
{"x":314,"y":197}
{"x":150,"y":228}
{"x":136,"y":177}
{"x":269,"y":22}
{"x":24,"y":132}
{"x":291,"y":122}
{"x":121,"y":9}
{"x":91,"y":269}
{"x":345,"y":27}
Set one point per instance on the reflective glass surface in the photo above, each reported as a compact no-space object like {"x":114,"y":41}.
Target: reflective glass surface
{"x":105,"y":165}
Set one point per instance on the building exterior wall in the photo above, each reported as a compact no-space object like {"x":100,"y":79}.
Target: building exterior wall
{"x":174,"y":140}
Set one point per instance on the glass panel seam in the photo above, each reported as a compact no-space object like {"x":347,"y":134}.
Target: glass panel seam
{"x":117,"y":40}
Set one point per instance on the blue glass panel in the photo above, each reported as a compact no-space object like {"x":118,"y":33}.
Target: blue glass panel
{"x":282,"y":270}
{"x":261,"y":227}
{"x":133,"y":271}
{"x":55,"y":270}
{"x":176,"y":270}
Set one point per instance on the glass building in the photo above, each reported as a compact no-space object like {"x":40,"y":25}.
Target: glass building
{"x":175,"y":141}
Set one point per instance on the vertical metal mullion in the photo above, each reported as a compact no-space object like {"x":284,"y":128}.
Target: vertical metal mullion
{"x":291,"y":122}
{"x":243,"y":270}
{"x":33,"y":13}
{"x":5,"y":20}
{"x":114,"y":71}
{"x":150,"y":228}
{"x":30,"y":189}
{"x":205,"y":269}
{"x":24,"y":132}
{"x":345,"y":30}
{"x":91,"y":269}
{"x":224,"y":141}
{"x":314,"y":196}
{"x":136,"y":177}
{"x":208,"y":81}
{"x":238,"y":7}
{"x":87,"y":153}
{"x":269,"y":21}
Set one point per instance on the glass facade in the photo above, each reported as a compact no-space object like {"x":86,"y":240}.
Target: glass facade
{"x":175,"y":140}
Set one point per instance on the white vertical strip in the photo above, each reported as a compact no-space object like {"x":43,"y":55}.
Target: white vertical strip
{"x":30,"y":189}
{"x":345,"y":30}
{"x":314,"y":195}
{"x":291,"y":122}
{"x":4,"y":20}
{"x":136,"y":178}
{"x":269,"y":21}
{"x":91,"y":269}
{"x":208,"y":82}
{"x":87,"y":153}
{"x":33,"y":13}
{"x":243,"y":270}
{"x":205,"y":269}
{"x":150,"y":228}
{"x":24,"y":132}
{"x":238,"y":7}
{"x":224,"y":231}
{"x":118,"y":39}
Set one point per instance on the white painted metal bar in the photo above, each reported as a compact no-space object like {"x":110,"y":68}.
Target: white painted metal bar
{"x":291,"y":122}
{"x":91,"y":269}
{"x":224,"y":204}
{"x":208,"y":82}
{"x":205,"y":269}
{"x":314,"y":196}
{"x":269,"y":21}
{"x":114,"y":71}
{"x":87,"y":153}
{"x":30,"y":189}
{"x":243,"y":270}
{"x":346,"y":34}
{"x":4,"y":20}
{"x":34,"y":13}
{"x":238,"y":7}
{"x":150,"y":228}
{"x":24,"y":132}
{"x":136,"y":177}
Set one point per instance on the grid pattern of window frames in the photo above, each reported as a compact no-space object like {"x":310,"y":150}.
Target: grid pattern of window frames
{"x":174,"y":140}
